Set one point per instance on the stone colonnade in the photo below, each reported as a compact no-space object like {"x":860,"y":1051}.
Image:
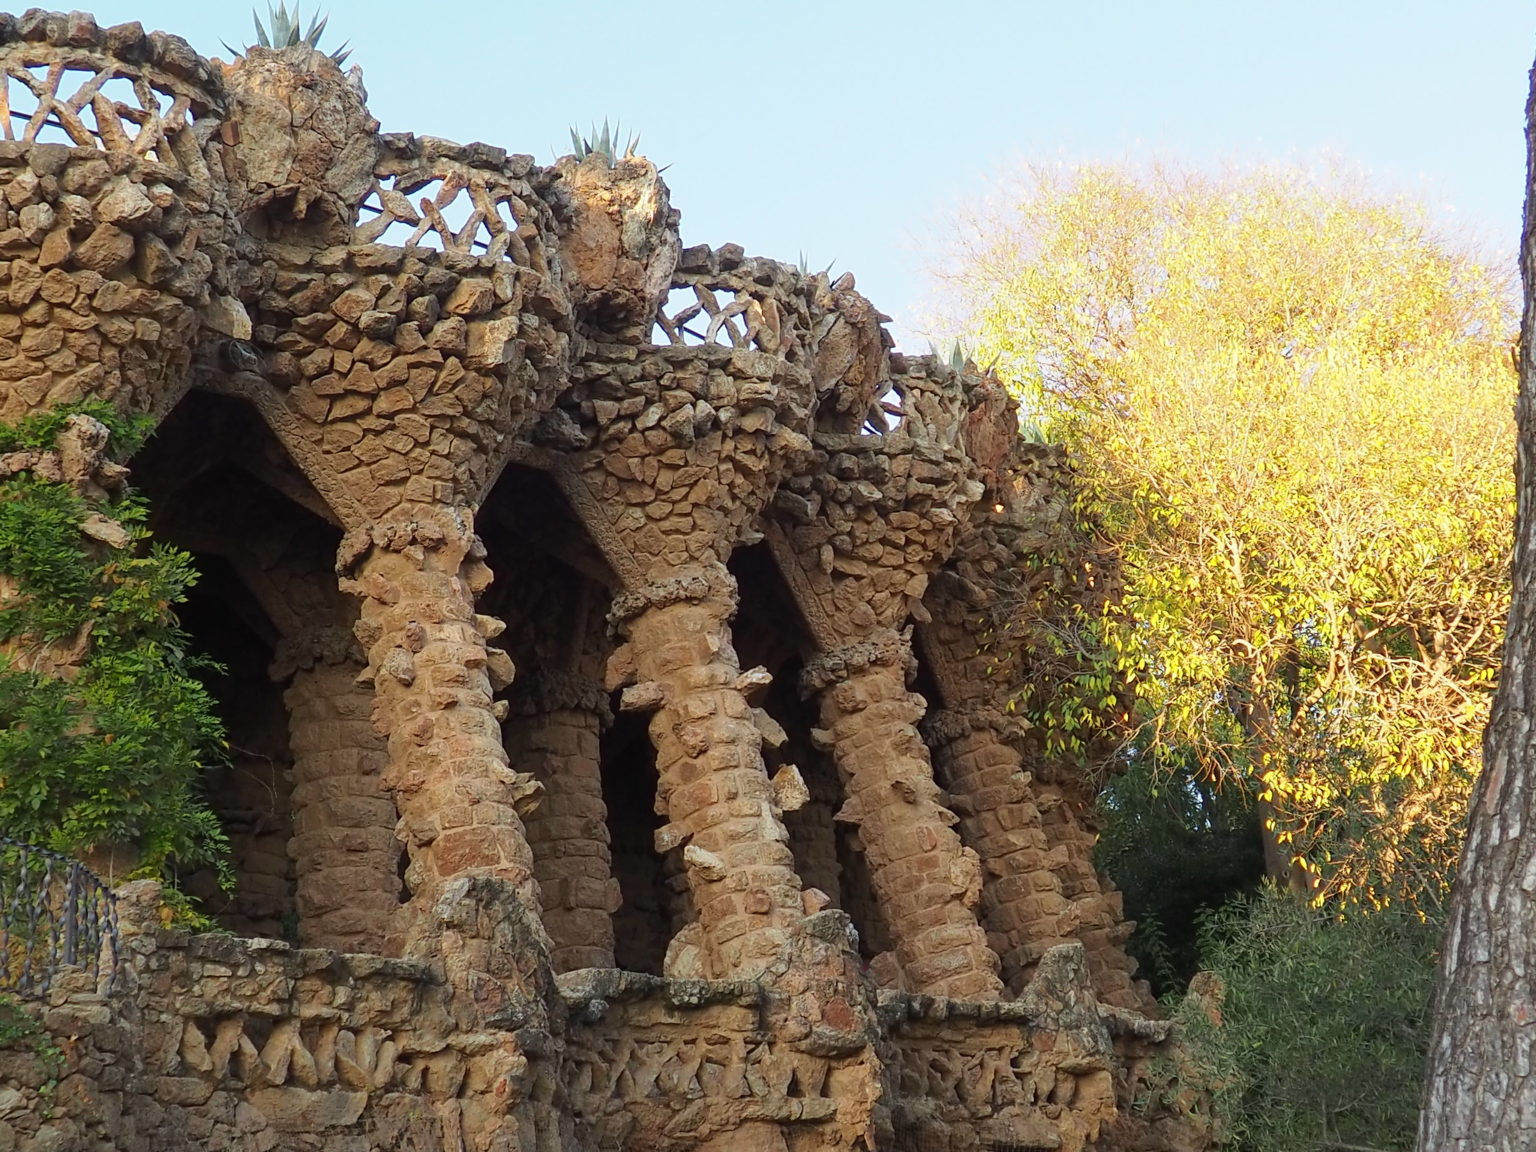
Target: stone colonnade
{"x":400,"y":363}
{"x":246,"y":231}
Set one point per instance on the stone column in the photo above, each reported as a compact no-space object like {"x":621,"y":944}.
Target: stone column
{"x":684,"y":448}
{"x":555,"y":740}
{"x":433,"y":676}
{"x":927,"y":883}
{"x":1096,"y":911}
{"x":980,"y":644}
{"x":345,"y":853}
{"x":713,"y":789}
{"x":1022,"y":903}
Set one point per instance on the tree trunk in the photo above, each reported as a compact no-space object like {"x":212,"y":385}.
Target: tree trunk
{"x":1480,"y":1087}
{"x":1263,"y":733}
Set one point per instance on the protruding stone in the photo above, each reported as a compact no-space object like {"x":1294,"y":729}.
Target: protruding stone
{"x":789,"y":789}
{"x":646,"y":697}
{"x":706,"y":864}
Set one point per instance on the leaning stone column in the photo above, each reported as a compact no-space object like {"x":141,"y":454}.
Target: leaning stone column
{"x":1096,"y":911}
{"x":857,"y":536}
{"x":927,"y":883}
{"x":1041,"y":888}
{"x":1022,"y":903}
{"x":713,"y":788}
{"x":433,"y":676}
{"x":345,"y":853}
{"x":684,"y":447}
{"x":555,"y":740}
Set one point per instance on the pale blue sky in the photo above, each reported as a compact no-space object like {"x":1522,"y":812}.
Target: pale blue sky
{"x":847,"y":129}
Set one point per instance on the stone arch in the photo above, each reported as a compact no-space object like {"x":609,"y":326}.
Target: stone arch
{"x":301,"y":798}
{"x":772,"y":633}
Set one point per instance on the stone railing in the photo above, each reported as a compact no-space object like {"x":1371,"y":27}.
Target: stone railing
{"x":478,"y":201}
{"x":720,"y":296}
{"x":65,"y":80}
{"x":55,"y":914}
{"x":926,"y":400}
{"x":687,"y":1058}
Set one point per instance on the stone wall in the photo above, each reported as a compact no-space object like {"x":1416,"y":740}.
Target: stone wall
{"x":215,"y":1042}
{"x":490,"y":456}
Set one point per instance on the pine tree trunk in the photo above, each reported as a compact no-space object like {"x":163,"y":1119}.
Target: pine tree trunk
{"x":1480,"y":1089}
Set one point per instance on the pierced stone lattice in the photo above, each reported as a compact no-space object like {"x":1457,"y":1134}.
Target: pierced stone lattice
{"x":930,"y":407}
{"x":143,"y":128}
{"x":745,"y":321}
{"x":490,"y":226}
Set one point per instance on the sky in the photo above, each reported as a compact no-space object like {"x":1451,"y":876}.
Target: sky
{"x":852,"y":131}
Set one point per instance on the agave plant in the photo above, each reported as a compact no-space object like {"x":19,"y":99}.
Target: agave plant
{"x":604,"y":144}
{"x":1035,"y":428}
{"x":804,"y":267}
{"x":956,"y":359}
{"x":287,"y":31}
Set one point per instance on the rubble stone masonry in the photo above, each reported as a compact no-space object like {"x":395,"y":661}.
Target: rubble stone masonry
{"x":536,"y":429}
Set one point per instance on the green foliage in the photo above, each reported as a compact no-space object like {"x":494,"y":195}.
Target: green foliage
{"x":604,"y":144}
{"x":1325,"y":1025}
{"x":1178,"y":848}
{"x":1288,"y":403}
{"x":283,"y":30}
{"x":40,"y":430}
{"x":1055,"y":613}
{"x":16,"y":1026}
{"x":104,"y":725}
{"x":20,"y":1031}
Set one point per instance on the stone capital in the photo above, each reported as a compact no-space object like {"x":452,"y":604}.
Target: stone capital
{"x":881,"y":647}
{"x":324,"y":644}
{"x":543,"y":690}
{"x":945,"y":725}
{"x":694,"y":585}
{"x":437,"y":529}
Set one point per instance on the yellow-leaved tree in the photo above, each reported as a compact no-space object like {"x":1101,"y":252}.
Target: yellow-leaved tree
{"x":1290,"y":404}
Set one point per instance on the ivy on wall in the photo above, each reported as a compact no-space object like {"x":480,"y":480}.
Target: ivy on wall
{"x":105,"y":728}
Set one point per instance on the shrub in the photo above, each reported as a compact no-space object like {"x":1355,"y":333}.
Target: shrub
{"x":110,"y":749}
{"x":1325,"y":1024}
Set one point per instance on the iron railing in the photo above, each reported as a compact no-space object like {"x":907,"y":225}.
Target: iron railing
{"x":55,"y":915}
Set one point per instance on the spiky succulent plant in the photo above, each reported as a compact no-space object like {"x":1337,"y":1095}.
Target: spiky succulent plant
{"x":604,"y":144}
{"x":283,"y":30}
{"x":956,"y":359}
{"x":803,"y":265}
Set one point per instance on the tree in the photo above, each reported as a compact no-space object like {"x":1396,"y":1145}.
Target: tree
{"x":1480,"y":1092}
{"x":1289,"y":402}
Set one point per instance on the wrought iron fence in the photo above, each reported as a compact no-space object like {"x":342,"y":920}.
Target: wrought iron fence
{"x":55,"y":915}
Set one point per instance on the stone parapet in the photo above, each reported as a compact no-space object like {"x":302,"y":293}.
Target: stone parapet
{"x":252,"y":1045}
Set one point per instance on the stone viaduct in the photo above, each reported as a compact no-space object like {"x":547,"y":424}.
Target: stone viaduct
{"x":618,"y":759}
